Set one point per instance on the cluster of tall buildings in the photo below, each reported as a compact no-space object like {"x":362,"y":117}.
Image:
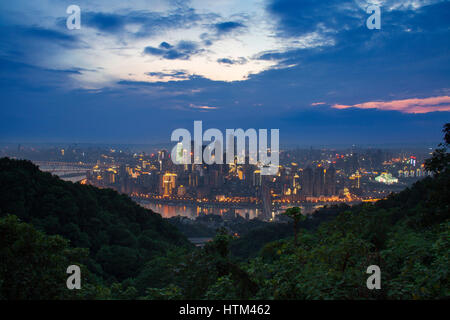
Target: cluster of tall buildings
{"x":319,"y":181}
{"x":156,"y":174}
{"x":311,"y":175}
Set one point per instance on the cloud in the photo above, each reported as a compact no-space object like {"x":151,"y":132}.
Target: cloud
{"x":414,"y":105}
{"x":170,"y":75}
{"x":165,"y":45}
{"x":182,"y":50}
{"x":296,"y":18}
{"x":21,"y":77}
{"x":47,"y":34}
{"x":240,"y":60}
{"x":108,"y":22}
{"x":407,"y":4}
{"x":221,"y":30}
{"x":143,"y":23}
{"x":25,"y":36}
{"x":334,"y":59}
{"x":227,"y":27}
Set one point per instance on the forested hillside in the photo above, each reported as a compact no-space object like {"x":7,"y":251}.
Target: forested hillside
{"x":121,"y":236}
{"x":407,"y":236}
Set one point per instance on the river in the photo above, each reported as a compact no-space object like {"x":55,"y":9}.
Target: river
{"x":171,"y":210}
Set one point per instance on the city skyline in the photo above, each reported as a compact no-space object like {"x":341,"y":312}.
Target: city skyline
{"x":308,"y":178}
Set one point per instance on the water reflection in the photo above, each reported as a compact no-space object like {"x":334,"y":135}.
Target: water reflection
{"x":168,"y":211}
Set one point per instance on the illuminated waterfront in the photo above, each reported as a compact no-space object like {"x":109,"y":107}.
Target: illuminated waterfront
{"x":168,"y":210}
{"x":192,"y":211}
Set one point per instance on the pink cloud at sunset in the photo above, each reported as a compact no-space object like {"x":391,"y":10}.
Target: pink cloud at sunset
{"x":414,"y":105}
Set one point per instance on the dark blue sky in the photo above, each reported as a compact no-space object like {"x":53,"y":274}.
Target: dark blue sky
{"x":136,"y":71}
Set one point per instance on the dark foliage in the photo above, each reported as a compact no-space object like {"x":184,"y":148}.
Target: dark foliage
{"x":121,"y":236}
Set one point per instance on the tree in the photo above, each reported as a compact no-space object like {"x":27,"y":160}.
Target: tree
{"x":121,"y":235}
{"x":440,"y":161}
{"x":446,"y":131}
{"x":295,"y":214}
{"x":33,"y":265}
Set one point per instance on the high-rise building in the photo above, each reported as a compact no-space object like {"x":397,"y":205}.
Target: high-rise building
{"x":330,"y":181}
{"x":111,"y":176}
{"x":307,"y":182}
{"x":266,"y":200}
{"x":319,"y":181}
{"x":193,"y":179}
{"x":216,"y":178}
{"x":355,"y":180}
{"x":168,"y":183}
{"x":257,"y":178}
{"x":181,"y":191}
{"x":163,"y":159}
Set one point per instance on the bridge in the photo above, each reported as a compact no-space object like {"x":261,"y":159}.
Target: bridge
{"x":69,"y":171}
{"x":63,"y":163}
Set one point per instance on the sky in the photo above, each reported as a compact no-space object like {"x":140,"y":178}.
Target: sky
{"x":137,"y":70}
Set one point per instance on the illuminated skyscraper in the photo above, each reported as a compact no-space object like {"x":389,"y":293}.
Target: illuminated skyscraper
{"x":168,"y":183}
{"x":257,"y":178}
{"x":193,"y":179}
